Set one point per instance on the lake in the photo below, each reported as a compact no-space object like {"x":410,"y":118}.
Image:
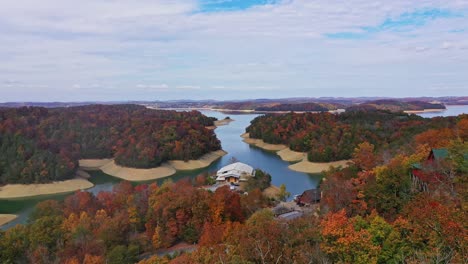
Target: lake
{"x":231,"y":141}
{"x":452,"y":110}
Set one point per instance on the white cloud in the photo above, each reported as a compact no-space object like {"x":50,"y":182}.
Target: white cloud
{"x":188,"y":87}
{"x":153,"y":87}
{"x":129,"y":49}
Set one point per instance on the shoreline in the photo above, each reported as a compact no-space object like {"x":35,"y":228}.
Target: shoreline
{"x":316,"y":167}
{"x":250,"y":111}
{"x":302,"y":163}
{"x":13,"y":191}
{"x":261,"y":144}
{"x":246,"y":111}
{"x":424,"y":111}
{"x":223,"y":122}
{"x":167,"y":169}
{"x":108,"y":166}
{"x":218,"y":123}
{"x":7,"y":218}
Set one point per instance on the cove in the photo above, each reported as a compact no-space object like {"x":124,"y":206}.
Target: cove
{"x":229,"y":135}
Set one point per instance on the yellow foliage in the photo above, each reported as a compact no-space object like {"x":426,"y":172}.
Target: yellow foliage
{"x":157,"y":239}
{"x":90,"y":259}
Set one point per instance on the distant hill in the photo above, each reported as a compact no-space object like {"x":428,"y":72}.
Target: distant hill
{"x":309,"y":107}
{"x":396,"y":105}
{"x":406,"y":103}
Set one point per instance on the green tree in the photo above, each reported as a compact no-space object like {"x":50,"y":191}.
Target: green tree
{"x":123,"y":255}
{"x":283,"y":193}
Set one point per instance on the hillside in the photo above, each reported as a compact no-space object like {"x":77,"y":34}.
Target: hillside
{"x":328,"y":137}
{"x":39,"y":145}
{"x":396,"y":105}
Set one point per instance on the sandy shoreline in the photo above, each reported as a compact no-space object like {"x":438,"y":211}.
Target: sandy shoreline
{"x":261,"y":144}
{"x":108,"y":166}
{"x":286,"y":154}
{"x":133,"y":174}
{"x":93,"y":164}
{"x":27,"y":190}
{"x":247,"y":111}
{"x":223,"y":122}
{"x":250,"y":111}
{"x":169,"y":168}
{"x":202,"y":162}
{"x":316,"y":167}
{"x":6,"y":218}
{"x":424,"y":111}
{"x":217,"y":123}
{"x":290,"y":155}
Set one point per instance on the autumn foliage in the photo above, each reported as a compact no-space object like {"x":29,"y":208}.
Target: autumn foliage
{"x":40,"y":145}
{"x":369,"y":213}
{"x":329,"y":137}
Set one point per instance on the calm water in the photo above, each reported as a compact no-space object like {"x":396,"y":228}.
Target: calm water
{"x":452,"y":110}
{"x":231,"y":141}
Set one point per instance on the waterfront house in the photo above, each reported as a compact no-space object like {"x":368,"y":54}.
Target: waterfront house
{"x":309,"y":197}
{"x":429,"y":172}
{"x":235,"y":172}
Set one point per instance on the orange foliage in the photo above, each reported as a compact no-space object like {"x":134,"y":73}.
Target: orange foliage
{"x":346,"y":242}
{"x":435,"y":138}
{"x":364,"y":156}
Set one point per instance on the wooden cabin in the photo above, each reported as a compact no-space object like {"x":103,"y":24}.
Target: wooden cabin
{"x":309,"y":197}
{"x":428,"y":172}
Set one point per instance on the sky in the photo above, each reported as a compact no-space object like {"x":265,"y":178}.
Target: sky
{"x":120,"y":50}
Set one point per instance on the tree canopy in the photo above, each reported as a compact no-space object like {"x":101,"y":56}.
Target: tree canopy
{"x":40,"y":145}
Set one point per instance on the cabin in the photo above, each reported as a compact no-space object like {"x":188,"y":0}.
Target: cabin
{"x":235,"y":173}
{"x":308,"y":197}
{"x":428,"y":172}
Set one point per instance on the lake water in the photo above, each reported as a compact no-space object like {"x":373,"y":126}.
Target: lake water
{"x":231,"y":141}
{"x":452,"y":110}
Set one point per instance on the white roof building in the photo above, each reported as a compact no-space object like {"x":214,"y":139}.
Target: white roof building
{"x":237,"y":170}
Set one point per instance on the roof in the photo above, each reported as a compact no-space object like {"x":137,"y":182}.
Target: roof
{"x":416,"y":165}
{"x":440,"y":153}
{"x":237,"y":170}
{"x":237,"y":167}
{"x":310,"y":196}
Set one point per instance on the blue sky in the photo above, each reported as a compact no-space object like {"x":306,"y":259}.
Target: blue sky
{"x":404,"y":22}
{"x":232,"y":5}
{"x":106,"y":50}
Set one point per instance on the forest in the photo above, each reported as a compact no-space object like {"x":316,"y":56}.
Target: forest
{"x":369,"y":213}
{"x":330,"y":137}
{"x":397,"y":105}
{"x":40,"y":145}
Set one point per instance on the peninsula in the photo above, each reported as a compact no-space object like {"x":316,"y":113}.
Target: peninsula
{"x":45,"y":147}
